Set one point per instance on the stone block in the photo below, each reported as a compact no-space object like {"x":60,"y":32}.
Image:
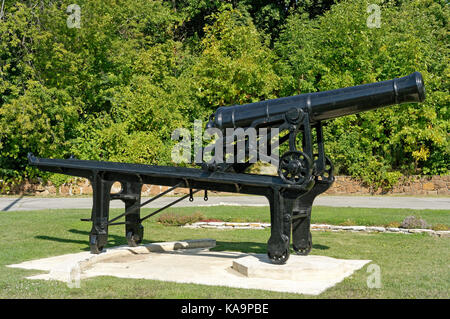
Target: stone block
{"x":443,"y":233}
{"x":216,"y":223}
{"x":237,"y":224}
{"x":428,"y":186}
{"x":377,"y":229}
{"x":443,"y":191}
{"x":303,"y":270}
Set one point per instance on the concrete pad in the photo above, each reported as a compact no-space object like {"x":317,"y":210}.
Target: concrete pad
{"x":301,"y":274}
{"x":62,"y":267}
{"x":298,"y":268}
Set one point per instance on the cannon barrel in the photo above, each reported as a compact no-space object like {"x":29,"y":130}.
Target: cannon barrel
{"x":325,"y":105}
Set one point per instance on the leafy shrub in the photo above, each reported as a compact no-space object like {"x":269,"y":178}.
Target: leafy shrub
{"x":172,"y":219}
{"x":414,"y":222}
{"x":348,"y":222}
{"x":440,"y":227}
{"x":116,"y":88}
{"x":9,"y":184}
{"x":210,"y":220}
{"x":393,"y":225}
{"x":59,"y":179}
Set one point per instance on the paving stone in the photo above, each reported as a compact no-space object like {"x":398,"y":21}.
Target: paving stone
{"x":237,"y":224}
{"x":216,"y":223}
{"x":393,"y":229}
{"x":419,"y":231}
{"x":320,"y":226}
{"x":358,"y":228}
{"x":377,"y":229}
{"x":224,"y":227}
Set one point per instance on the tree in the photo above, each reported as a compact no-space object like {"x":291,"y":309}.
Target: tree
{"x":235,"y":64}
{"x":338,"y":50}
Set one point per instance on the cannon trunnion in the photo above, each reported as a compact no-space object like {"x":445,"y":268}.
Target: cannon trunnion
{"x":304,"y":171}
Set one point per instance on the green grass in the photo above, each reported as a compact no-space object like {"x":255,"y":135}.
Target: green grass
{"x":412,"y":266}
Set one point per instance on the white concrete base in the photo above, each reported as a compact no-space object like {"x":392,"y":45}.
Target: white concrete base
{"x":64,"y":267}
{"x":308,"y":269}
{"x":301,"y":274}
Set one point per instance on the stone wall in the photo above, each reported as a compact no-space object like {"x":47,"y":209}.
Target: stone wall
{"x":413,"y":185}
{"x":344,"y":185}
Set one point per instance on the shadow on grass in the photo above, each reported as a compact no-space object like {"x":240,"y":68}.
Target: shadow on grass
{"x":251,"y":247}
{"x":245,"y":247}
{"x":115,"y":240}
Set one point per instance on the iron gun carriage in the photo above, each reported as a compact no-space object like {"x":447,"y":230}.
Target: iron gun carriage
{"x":304,"y":171}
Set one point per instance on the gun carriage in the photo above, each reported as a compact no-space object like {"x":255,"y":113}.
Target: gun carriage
{"x":304,"y":171}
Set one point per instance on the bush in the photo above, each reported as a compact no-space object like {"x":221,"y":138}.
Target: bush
{"x":348,"y":222}
{"x":172,"y":219}
{"x":440,"y":227}
{"x":116,"y":88}
{"x":338,"y":50}
{"x":393,"y":225}
{"x":414,"y":222}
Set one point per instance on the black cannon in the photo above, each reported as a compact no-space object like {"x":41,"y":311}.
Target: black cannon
{"x":304,"y":171}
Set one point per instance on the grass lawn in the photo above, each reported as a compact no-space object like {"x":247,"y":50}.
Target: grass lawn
{"x":412,"y":266}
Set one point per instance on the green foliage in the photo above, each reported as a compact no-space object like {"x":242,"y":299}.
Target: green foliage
{"x":438,"y":227}
{"x":39,"y":121}
{"x":338,"y":49}
{"x":116,"y":88}
{"x":348,"y":222}
{"x":235,"y":65}
{"x":59,"y":179}
{"x":393,"y":225}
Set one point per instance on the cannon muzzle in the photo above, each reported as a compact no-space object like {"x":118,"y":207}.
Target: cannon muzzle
{"x":324,"y":105}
